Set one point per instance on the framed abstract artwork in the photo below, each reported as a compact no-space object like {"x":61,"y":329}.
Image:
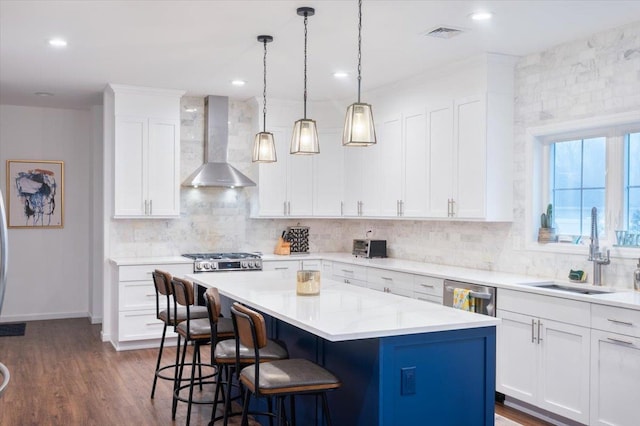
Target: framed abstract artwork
{"x":35,"y":194}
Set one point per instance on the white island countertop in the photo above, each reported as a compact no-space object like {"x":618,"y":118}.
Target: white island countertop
{"x":341,"y":312}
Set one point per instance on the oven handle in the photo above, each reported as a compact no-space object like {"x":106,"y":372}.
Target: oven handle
{"x":474,"y":294}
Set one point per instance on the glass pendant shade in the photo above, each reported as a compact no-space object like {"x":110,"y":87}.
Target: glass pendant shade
{"x":264,"y":148}
{"x":305,"y":137}
{"x":358,"y":126}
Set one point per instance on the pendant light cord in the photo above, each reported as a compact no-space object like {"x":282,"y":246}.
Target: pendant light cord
{"x":359,"y":46}
{"x":305,"y":66}
{"x":264,"y":91}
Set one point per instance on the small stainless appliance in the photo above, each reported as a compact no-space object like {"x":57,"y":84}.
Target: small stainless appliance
{"x":369,"y":248}
{"x":221,"y":262}
{"x":484,"y":297}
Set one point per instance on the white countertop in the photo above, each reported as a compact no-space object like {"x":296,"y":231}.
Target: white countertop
{"x":340,"y":312}
{"x":159,"y":260}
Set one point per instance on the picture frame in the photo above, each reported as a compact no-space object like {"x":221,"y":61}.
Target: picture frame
{"x":35,"y":194}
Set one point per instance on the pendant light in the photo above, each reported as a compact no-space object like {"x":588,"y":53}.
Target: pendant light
{"x":358,"y":125}
{"x":264,"y":147}
{"x":305,"y":134}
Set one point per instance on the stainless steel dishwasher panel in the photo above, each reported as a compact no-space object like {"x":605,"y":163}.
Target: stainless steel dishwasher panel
{"x":484,"y":297}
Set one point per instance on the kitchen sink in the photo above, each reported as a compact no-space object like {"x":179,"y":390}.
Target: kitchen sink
{"x":570,"y":289}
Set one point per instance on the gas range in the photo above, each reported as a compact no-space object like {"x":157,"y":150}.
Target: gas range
{"x":221,"y":262}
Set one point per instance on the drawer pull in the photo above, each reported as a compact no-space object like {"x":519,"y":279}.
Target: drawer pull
{"x":150,"y":295}
{"x":282,"y":268}
{"x":349,"y":271}
{"x":387,"y":278}
{"x":624,"y":342}
{"x":533,"y":338}
{"x":154,"y":323}
{"x":428,"y":285}
{"x":620,"y":322}
{"x":149,"y":273}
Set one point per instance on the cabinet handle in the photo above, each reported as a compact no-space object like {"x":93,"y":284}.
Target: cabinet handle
{"x":284,"y":206}
{"x":282,"y":268}
{"x":453,"y":208}
{"x":347,"y":271}
{"x":533,"y":338}
{"x":154,"y":323}
{"x":341,"y":208}
{"x":624,"y":342}
{"x":150,"y":207}
{"x":539,"y":326}
{"x":387,"y":278}
{"x":346,"y":281}
{"x":150,"y":294}
{"x":289,"y":208}
{"x":427,"y":285}
{"x":401,"y":208}
{"x":620,"y":322}
{"x":146,"y":207}
{"x":397,"y":207}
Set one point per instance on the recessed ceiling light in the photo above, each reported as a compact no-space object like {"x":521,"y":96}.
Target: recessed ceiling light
{"x":238,"y":82}
{"x":58,"y":42}
{"x":43,"y":94}
{"x":481,"y":16}
{"x":340,"y":74}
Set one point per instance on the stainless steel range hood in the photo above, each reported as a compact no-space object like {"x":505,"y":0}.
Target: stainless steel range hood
{"x":216,"y":171}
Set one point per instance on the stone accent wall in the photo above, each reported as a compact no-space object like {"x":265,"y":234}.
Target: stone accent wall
{"x":586,"y":78}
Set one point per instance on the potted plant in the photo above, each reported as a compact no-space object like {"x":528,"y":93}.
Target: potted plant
{"x":547,"y":233}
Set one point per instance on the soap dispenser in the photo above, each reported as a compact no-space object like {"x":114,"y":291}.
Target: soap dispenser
{"x":636,"y":278}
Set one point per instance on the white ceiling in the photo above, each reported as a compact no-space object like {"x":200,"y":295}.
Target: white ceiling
{"x":200,"y":46}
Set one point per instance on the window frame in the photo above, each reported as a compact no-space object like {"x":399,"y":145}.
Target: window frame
{"x":539,"y":140}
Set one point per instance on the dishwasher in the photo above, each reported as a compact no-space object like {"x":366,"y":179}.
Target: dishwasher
{"x":484,"y":297}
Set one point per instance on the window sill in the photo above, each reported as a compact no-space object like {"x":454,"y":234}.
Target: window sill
{"x":617,"y":252}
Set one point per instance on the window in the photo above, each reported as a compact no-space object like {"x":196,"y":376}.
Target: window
{"x":578,"y":184}
{"x":632,"y":183}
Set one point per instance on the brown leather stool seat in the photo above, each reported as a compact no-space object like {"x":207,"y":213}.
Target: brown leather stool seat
{"x":164,"y":312}
{"x":280,"y":378}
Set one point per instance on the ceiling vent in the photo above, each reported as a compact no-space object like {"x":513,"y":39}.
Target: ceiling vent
{"x":444,"y":32}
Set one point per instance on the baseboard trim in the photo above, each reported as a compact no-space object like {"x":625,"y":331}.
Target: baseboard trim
{"x":143,"y":344}
{"x":534,"y":411}
{"x":41,"y":317}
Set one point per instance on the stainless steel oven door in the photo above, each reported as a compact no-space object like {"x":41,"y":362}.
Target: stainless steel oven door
{"x":484,"y":297}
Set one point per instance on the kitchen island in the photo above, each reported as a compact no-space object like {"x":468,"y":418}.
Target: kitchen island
{"x":401,"y":361}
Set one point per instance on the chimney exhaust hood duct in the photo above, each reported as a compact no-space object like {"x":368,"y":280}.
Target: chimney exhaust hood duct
{"x":216,"y":171}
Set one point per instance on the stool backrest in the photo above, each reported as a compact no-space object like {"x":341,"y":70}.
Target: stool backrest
{"x":182,"y":291}
{"x":249,"y":326}
{"x":162,"y":282}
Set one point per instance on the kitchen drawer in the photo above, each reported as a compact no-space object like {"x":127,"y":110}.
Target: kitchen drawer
{"x":395,"y":282}
{"x":349,"y":271}
{"x":143,"y":272}
{"x":554,"y":308}
{"x":427,"y":298}
{"x":140,"y":325}
{"x":427,"y":286}
{"x":615,"y":320}
{"x":135,"y":295}
{"x":281,"y":265}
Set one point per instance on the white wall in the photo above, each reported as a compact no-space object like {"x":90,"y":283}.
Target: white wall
{"x":49,"y":268}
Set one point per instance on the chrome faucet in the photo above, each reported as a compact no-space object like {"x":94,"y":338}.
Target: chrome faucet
{"x":595,"y":255}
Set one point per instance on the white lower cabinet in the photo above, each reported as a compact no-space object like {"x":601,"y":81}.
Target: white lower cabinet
{"x":350,"y":274}
{"x":136,"y":325}
{"x":400,"y":283}
{"x":543,"y":349}
{"x":428,"y":289}
{"x":615,"y":366}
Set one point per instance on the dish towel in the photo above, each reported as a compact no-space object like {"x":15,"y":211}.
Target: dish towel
{"x":462,"y":299}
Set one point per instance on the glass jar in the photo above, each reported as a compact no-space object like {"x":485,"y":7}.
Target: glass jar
{"x":308,"y":283}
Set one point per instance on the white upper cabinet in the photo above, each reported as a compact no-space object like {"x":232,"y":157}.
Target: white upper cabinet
{"x":285,"y":187}
{"x":440,"y":163}
{"x":414,"y":174}
{"x":328,"y":174}
{"x":389,"y":145}
{"x":142,"y":127}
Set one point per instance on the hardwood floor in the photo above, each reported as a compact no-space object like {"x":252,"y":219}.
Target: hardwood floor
{"x":62,"y":374}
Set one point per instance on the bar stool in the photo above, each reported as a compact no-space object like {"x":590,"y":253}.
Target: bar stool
{"x":221,"y":329}
{"x":191,"y":330}
{"x":280,"y":378}
{"x":162,"y":283}
{"x":230,"y":356}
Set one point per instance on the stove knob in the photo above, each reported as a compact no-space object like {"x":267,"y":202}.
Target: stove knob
{"x":206,"y":266}
{"x":198,"y":266}
{"x":244,"y":264}
{"x":251,"y":265}
{"x":214,"y":265}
